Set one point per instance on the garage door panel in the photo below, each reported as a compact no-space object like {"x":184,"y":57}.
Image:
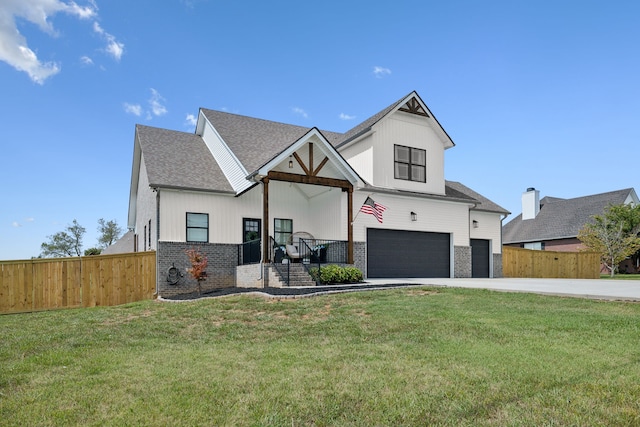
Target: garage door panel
{"x":403,"y":253}
{"x":480,"y":258}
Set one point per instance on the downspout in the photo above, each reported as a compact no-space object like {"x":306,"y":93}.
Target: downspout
{"x":157,"y":238}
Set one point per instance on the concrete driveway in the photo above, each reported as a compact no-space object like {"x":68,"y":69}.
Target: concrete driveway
{"x":626,"y":290}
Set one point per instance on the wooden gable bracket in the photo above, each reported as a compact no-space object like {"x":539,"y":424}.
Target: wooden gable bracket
{"x":414,"y":107}
{"x":309,"y":171}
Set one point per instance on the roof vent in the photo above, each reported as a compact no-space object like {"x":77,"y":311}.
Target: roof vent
{"x":531,"y":189}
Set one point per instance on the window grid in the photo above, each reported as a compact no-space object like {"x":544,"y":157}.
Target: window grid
{"x":197,"y":227}
{"x":410,"y":164}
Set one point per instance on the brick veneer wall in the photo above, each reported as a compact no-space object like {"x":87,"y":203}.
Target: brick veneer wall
{"x":497,"y":265}
{"x":221,"y":271}
{"x":462,"y":261}
{"x":360,"y":256}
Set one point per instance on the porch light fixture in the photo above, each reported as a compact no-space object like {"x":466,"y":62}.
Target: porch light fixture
{"x":475,"y":224}
{"x":414,"y":216}
{"x":290,"y":162}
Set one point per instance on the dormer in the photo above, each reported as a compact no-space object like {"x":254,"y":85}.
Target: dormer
{"x":400,"y":148}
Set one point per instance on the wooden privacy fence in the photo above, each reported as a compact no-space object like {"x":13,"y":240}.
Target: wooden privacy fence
{"x":43,"y":284}
{"x":518,"y":262}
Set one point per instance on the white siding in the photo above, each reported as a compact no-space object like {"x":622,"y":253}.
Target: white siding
{"x":489,"y":228}
{"x":412,"y":131}
{"x":225,"y":213}
{"x":231,"y":167}
{"x":145,"y":211}
{"x":319,"y":215}
{"x":360,"y":157}
{"x":433,"y":215}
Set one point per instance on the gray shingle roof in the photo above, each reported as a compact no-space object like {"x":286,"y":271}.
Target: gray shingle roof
{"x":560,"y":218}
{"x":484,"y":204}
{"x":179,"y":160}
{"x":256,"y":141}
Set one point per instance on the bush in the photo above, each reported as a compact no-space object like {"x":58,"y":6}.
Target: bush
{"x":336,"y":274}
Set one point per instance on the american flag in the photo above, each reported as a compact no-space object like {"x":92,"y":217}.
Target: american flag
{"x":372,"y":208}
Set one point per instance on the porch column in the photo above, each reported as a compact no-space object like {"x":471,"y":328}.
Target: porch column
{"x":265,"y":220}
{"x":350,"y":224}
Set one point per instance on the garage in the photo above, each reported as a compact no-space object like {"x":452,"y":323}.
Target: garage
{"x":402,"y":253}
{"x":480,"y":258}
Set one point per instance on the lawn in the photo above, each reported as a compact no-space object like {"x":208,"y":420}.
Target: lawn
{"x":412,"y":356}
{"x":621,"y":276}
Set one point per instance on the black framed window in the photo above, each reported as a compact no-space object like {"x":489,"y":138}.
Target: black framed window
{"x":410,"y":163}
{"x":282,"y":230}
{"x":197,"y":227}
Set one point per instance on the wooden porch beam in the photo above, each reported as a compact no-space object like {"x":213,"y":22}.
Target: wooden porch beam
{"x":306,"y":179}
{"x":301,"y":163}
{"x":320,"y":166}
{"x":265,"y":221}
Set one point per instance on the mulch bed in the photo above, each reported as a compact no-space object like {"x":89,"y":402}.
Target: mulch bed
{"x":286,"y":292}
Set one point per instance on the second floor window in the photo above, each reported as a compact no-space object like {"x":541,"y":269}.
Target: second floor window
{"x":197,"y":227}
{"x":410,"y":163}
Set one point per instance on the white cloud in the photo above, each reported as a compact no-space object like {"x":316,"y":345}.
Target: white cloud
{"x":16,"y":224}
{"x":134,"y":109}
{"x":300,"y":112}
{"x":30,"y":219}
{"x":191,"y":120}
{"x":114,"y":47}
{"x":344,"y":116}
{"x":86,"y":60}
{"x":14,"y":49}
{"x":155,"y":102}
{"x":381,"y":72}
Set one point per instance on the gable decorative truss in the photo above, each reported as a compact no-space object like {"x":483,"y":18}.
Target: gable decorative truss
{"x":414,"y":106}
{"x":310,"y":169}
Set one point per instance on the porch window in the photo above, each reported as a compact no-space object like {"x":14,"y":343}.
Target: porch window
{"x":197,"y":227}
{"x":410,"y":163}
{"x":282,"y":230}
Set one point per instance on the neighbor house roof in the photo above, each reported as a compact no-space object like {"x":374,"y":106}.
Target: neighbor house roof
{"x":562,"y":218}
{"x":179,"y":160}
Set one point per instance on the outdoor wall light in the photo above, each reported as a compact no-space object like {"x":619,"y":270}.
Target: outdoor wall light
{"x":475,"y":224}
{"x":414,"y":216}
{"x":290,"y":162}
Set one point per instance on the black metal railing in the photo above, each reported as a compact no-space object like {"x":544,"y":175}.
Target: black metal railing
{"x":250,"y":252}
{"x":278,"y":253}
{"x":316,"y":252}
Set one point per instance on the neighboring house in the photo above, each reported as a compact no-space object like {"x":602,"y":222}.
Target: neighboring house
{"x":553,"y":223}
{"x":240,"y":180}
{"x":124,"y":244}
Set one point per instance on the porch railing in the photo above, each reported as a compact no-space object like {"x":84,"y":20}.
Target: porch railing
{"x":316,"y":252}
{"x":277,"y":253}
{"x":249,"y":252}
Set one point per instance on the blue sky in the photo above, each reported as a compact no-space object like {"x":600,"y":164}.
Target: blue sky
{"x":539,"y":94}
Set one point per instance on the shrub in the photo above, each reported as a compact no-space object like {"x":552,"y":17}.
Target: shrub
{"x":336,"y":274}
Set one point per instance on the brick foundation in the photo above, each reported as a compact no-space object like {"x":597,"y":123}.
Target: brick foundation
{"x":221,"y":272}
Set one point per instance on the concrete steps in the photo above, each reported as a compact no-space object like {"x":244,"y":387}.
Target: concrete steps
{"x":298,"y":276}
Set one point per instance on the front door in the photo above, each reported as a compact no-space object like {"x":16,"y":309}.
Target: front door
{"x":251,"y":239}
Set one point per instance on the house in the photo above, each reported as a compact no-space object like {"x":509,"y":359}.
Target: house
{"x":245,"y":190}
{"x":553,"y":223}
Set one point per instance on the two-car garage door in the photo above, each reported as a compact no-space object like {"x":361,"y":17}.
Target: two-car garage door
{"x":402,"y":253}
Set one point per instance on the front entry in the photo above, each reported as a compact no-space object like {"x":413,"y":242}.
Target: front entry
{"x":251,"y":240}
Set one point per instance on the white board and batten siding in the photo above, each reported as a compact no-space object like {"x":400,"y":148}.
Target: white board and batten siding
{"x":225,"y":213}
{"x":432,"y":216}
{"x":488,"y":227}
{"x":320,"y":215}
{"x":411,"y":131}
{"x":146,"y":212}
{"x":230,"y":165}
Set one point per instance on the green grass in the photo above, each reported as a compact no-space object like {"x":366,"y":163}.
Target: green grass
{"x":621,"y":276}
{"x":414,"y":356}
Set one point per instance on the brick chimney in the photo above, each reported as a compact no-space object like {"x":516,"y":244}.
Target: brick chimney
{"x":530,"y":203}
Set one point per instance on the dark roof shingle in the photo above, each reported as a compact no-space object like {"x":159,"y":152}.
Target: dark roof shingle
{"x":560,"y":218}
